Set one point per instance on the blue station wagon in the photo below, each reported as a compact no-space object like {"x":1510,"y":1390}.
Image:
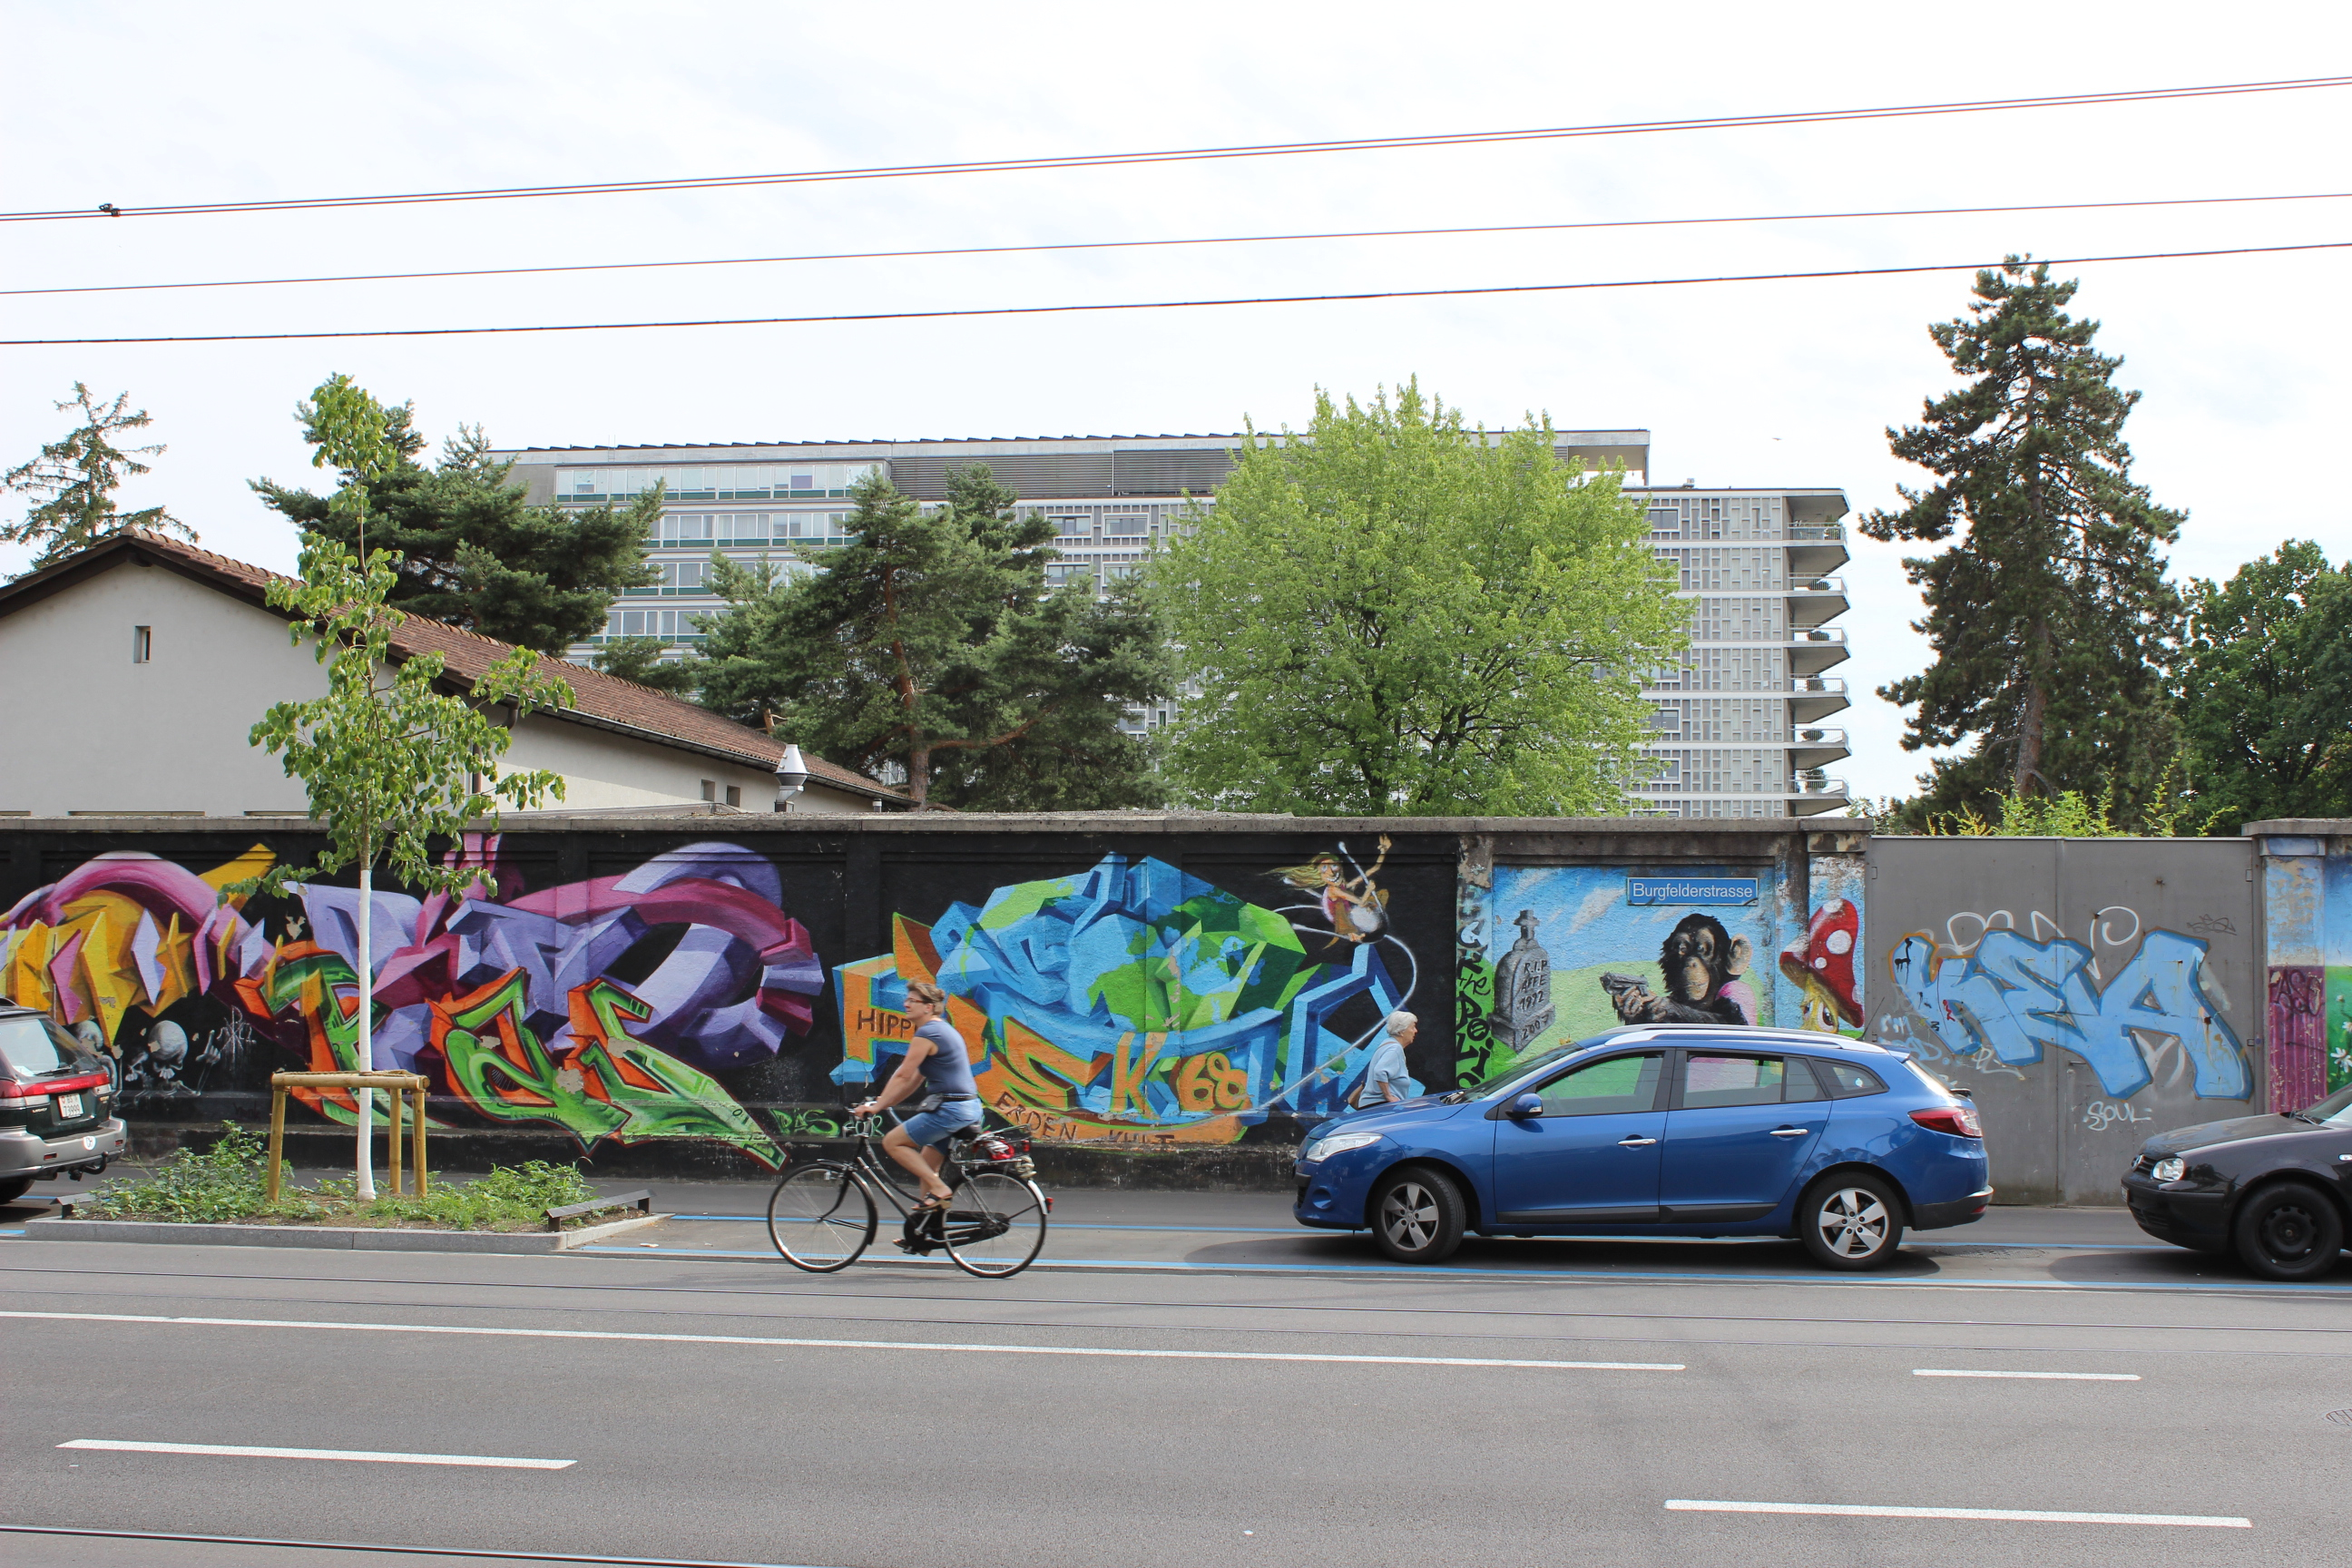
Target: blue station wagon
{"x":1663,"y":1129}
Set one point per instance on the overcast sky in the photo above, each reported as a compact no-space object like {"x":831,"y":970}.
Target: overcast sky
{"x":2242,"y":362}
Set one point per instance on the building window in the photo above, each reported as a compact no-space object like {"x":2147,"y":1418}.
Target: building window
{"x":734,"y":794}
{"x":710,"y":789}
{"x":143,"y":644}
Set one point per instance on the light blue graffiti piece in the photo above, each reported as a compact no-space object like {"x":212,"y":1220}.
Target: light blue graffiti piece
{"x":2016,"y":997}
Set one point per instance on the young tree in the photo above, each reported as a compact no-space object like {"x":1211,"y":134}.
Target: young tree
{"x":640,"y":659}
{"x":389,"y":763}
{"x":931,"y":641}
{"x":1395,"y":614}
{"x":74,"y":480}
{"x":470,"y":552}
{"x":2047,"y":614}
{"x":2264,"y":686}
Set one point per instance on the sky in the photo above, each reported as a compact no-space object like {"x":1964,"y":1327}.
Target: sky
{"x":2243,"y":361}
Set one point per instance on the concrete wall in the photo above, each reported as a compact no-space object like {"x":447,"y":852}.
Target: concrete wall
{"x":701,"y":992}
{"x":2087,"y":991}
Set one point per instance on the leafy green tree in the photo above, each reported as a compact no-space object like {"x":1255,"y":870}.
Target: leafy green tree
{"x":1393,"y":613}
{"x":74,"y":480}
{"x":390,"y":763}
{"x":470,"y":552}
{"x":640,"y":659}
{"x":2048,"y":612}
{"x":931,"y":645}
{"x":2263,"y":682}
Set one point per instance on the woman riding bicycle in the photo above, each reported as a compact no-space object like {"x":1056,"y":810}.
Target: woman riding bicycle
{"x":938,"y":1064}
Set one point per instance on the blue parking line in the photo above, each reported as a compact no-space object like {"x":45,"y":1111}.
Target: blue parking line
{"x":1918,"y":1239}
{"x":1062,"y":1225}
{"x":1600,"y":1275}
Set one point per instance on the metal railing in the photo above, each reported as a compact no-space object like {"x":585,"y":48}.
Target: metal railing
{"x":1803,"y":685}
{"x":1818,"y":586}
{"x":1819,"y":735}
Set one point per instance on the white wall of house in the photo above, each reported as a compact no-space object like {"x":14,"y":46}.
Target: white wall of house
{"x":86,"y":727}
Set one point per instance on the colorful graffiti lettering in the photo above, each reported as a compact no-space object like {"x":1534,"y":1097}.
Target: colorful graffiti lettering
{"x":508,"y":1005}
{"x":1131,"y":1003}
{"x":2015,"y":996}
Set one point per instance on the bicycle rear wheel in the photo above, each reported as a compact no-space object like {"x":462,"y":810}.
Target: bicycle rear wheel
{"x":995,"y":1224}
{"x":821,"y":1217}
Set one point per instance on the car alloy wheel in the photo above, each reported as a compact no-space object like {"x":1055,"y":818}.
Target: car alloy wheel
{"x":1409,"y":1215}
{"x":1418,"y":1216}
{"x":1851,"y":1222}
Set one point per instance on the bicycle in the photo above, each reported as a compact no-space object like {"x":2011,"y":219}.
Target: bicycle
{"x":822,"y":1216}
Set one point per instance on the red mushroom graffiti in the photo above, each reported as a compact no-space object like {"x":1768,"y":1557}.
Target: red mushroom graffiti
{"x":1822,"y":966}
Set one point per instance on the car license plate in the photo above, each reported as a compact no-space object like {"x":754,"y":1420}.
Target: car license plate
{"x":69,"y":1105}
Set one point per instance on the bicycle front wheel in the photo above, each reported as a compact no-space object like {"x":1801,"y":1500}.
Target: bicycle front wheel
{"x":821,"y":1217}
{"x":995,"y":1224}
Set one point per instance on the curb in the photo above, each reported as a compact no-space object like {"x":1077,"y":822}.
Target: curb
{"x":360,"y":1239}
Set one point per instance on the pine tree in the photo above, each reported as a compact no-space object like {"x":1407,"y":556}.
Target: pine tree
{"x":930,"y":646}
{"x":2048,"y":614}
{"x":472,"y":553}
{"x":74,"y":480}
{"x":640,"y":659}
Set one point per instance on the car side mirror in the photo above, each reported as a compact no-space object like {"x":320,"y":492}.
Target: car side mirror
{"x":1527,"y":1105}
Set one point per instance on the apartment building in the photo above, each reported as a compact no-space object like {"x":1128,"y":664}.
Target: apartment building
{"x":1739,"y":723}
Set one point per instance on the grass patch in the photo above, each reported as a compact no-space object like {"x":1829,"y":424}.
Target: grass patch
{"x":228,"y":1183}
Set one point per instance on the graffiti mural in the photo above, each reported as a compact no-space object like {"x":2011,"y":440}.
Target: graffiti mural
{"x":2336,"y":1006}
{"x":1579,"y":949}
{"x":2008,"y":996}
{"x":601,"y":1008}
{"x":1135,"y":1003}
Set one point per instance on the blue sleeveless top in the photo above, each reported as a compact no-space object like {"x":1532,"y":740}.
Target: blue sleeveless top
{"x":948,"y":1069}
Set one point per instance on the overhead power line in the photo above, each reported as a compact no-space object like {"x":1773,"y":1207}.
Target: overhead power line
{"x":1150,"y":244}
{"x":1191,"y":155}
{"x":1159,"y":304}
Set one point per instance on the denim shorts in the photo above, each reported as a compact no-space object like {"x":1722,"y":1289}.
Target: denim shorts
{"x":929,"y":1127}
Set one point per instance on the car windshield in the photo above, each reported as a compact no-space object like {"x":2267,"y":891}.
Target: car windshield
{"x":2335,"y":1110}
{"x":36,"y":1048}
{"x":1522,"y":1068}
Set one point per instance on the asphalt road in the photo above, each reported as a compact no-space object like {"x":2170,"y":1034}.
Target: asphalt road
{"x":1191,"y":1381}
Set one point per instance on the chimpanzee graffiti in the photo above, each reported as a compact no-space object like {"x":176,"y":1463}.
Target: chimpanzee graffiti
{"x":1701,"y":965}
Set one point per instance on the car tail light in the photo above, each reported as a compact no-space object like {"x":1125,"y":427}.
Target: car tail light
{"x":1959,"y":1120}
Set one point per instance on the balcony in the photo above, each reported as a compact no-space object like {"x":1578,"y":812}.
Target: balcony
{"x":1814,"y":747}
{"x":1812,"y":697}
{"x":1815,"y":651}
{"x":1817,"y":791}
{"x":1815,"y":548}
{"x":1813,"y":601}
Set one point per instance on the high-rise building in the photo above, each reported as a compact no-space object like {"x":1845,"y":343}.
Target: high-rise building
{"x":1739,"y":723}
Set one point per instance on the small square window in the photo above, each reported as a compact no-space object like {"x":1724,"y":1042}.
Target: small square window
{"x":734,"y":794}
{"x":710,"y":789}
{"x":143,"y":644}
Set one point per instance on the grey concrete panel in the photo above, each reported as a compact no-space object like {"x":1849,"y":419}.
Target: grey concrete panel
{"x":2088,"y":992}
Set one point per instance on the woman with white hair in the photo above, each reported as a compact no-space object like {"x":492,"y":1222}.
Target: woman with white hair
{"x":1386,"y":1082}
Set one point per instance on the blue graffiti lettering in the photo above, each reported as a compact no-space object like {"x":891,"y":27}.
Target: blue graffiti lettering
{"x":2014,"y":996}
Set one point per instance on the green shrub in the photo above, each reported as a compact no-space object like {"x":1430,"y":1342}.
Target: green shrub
{"x":225,"y":1182}
{"x":229,"y":1182}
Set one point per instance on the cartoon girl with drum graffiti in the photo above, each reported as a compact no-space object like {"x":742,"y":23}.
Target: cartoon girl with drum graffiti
{"x":1355,"y":906}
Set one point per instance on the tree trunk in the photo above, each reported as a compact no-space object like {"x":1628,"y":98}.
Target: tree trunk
{"x":918,"y":772}
{"x":363,"y":1155}
{"x":2030,"y":723}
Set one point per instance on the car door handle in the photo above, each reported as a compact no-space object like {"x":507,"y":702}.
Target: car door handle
{"x":1792,"y":1132}
{"x":1635,"y":1142}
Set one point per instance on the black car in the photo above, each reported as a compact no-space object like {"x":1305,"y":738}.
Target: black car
{"x":56,"y":1103}
{"x":2276,"y":1190}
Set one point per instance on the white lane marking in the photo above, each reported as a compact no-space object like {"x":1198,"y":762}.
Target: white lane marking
{"x":488,"y":1461}
{"x":2034,"y":1376}
{"x":2025,"y":1515}
{"x":852,"y":1344}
